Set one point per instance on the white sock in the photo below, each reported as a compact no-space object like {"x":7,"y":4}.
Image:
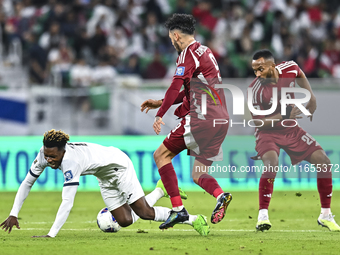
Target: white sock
{"x":161,"y":213}
{"x":178,"y":208}
{"x":192,"y":218}
{"x":154,"y":196}
{"x":325,"y":211}
{"x":218,"y":197}
{"x":263,"y":214}
{"x":151,"y":199}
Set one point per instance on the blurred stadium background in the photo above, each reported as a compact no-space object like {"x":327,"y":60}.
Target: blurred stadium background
{"x":86,"y":66}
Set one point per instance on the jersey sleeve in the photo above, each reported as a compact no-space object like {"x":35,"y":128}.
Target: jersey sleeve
{"x":185,"y":68}
{"x":289,"y":68}
{"x":72,"y":171}
{"x":39,"y":164}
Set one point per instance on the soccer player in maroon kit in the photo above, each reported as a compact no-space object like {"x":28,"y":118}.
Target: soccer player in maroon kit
{"x":274,"y":135}
{"x":197,"y":71}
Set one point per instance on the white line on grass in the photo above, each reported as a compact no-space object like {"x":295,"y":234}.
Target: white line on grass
{"x":183,"y":230}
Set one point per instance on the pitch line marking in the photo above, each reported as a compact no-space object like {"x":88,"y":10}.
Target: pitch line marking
{"x":181,"y":230}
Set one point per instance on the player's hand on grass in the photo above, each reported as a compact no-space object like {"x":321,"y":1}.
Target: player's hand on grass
{"x":311,"y":106}
{"x":40,"y":236}
{"x":9,"y":223}
{"x":295,"y":113}
{"x":150,"y":104}
{"x":157,"y":125}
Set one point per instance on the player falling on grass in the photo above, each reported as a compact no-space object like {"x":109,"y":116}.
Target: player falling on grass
{"x":119,"y":186}
{"x":296,"y":142}
{"x":195,"y":132}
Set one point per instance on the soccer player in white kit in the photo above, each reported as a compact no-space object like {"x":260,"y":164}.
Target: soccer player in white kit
{"x":119,"y":186}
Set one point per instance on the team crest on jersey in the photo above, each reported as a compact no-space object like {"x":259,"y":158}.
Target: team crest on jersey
{"x":68,"y":175}
{"x":180,"y":70}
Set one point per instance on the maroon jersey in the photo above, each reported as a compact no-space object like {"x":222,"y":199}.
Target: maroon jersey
{"x":263,"y":93}
{"x":195,"y":65}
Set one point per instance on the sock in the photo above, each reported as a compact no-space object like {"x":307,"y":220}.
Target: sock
{"x":151,"y":199}
{"x":263,"y":214}
{"x":169,"y":179}
{"x":161,"y":213}
{"x":178,"y":208}
{"x":266,"y":187}
{"x":154,"y":196}
{"x":325,"y":186}
{"x":210,"y":185}
{"x":192,"y":218}
{"x":325,"y":212}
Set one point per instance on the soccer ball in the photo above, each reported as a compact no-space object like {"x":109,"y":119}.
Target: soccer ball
{"x":106,"y":222}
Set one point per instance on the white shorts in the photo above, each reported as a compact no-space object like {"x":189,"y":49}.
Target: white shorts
{"x":125,"y":189}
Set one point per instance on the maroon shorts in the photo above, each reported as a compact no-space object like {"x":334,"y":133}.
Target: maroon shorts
{"x":298,"y":144}
{"x":200,"y":137}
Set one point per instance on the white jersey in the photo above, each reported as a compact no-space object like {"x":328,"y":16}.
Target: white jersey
{"x":112,"y":167}
{"x":106,"y":163}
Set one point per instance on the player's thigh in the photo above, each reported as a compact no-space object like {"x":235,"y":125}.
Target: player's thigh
{"x":130,"y":186}
{"x":301,"y":146}
{"x":143,"y":209}
{"x":270,"y":158}
{"x":319,"y":157}
{"x":163,"y":155}
{"x":125,"y":189}
{"x":175,"y":140}
{"x":209,"y":140}
{"x":268,"y":143}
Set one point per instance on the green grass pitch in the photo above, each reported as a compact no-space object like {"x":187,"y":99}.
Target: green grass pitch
{"x":294,"y":230}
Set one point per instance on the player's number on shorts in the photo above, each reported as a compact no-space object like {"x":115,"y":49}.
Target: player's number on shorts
{"x":307,"y":138}
{"x":213,"y":59}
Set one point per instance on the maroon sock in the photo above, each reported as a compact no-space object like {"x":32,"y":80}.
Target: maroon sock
{"x":210,"y":185}
{"x":266,"y":187}
{"x":325,"y":186}
{"x":169,"y":179}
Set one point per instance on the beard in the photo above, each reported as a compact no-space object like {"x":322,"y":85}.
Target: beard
{"x":178,"y":49}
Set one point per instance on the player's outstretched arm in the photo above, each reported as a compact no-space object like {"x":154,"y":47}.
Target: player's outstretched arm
{"x":9,"y":223}
{"x":68,"y":195}
{"x":303,"y":82}
{"x":23,"y":191}
{"x":150,"y":104}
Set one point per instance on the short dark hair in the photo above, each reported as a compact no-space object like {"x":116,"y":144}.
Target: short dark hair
{"x":55,"y":138}
{"x":266,"y":54}
{"x":183,"y":22}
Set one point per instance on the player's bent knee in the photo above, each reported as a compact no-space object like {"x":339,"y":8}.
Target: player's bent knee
{"x":147,"y":214}
{"x":124,"y":222}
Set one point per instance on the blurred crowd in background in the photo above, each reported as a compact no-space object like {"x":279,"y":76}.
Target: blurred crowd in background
{"x":91,"y":42}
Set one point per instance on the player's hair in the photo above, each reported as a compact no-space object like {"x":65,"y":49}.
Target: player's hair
{"x":183,"y":22}
{"x":55,"y":138}
{"x":266,"y":54}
